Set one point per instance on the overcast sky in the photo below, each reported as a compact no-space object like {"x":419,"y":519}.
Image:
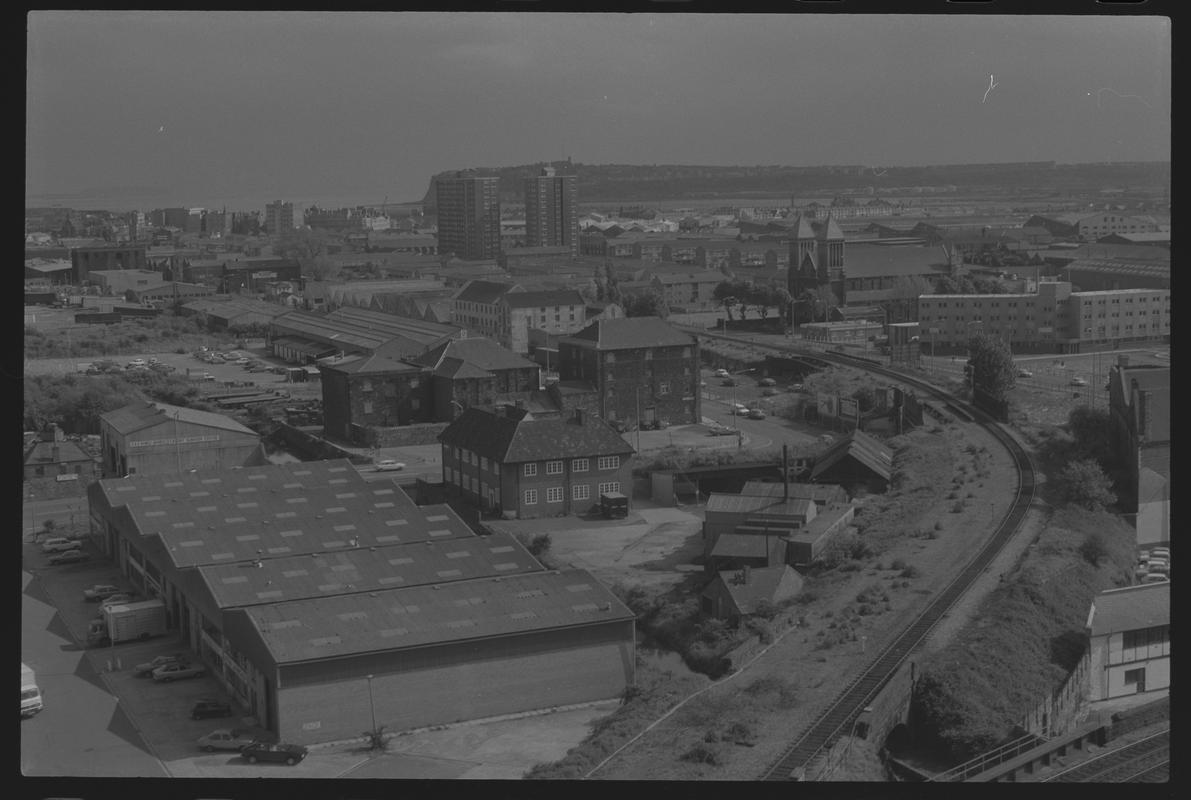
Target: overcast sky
{"x":204,"y":108}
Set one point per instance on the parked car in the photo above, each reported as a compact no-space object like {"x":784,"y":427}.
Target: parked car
{"x":137,"y":362}
{"x":827,"y":438}
{"x":1077,"y":381}
{"x":146,"y":669}
{"x":241,"y":361}
{"x":728,"y":382}
{"x":768,"y":391}
{"x":740,"y":409}
{"x":756,"y":413}
{"x":281,"y":752}
{"x":796,"y":387}
{"x":721,"y":373}
{"x":1155,"y":578}
{"x":68,"y":557}
{"x":1024,"y":373}
{"x":388,"y":465}
{"x":226,"y":739}
{"x":118,"y":599}
{"x":178,"y":671}
{"x":165,"y":369}
{"x":724,"y":431}
{"x":59,"y":544}
{"x":100,"y":591}
{"x":1160,"y":551}
{"x":767,"y":382}
{"x":209,"y":707}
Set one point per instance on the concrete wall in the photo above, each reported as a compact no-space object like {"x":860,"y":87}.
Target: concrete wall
{"x":1056,"y":714}
{"x":891,"y":706}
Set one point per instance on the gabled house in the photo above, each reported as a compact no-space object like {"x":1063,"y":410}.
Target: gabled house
{"x":642,"y":368}
{"x":361,"y":391}
{"x":508,"y":461}
{"x":52,"y":455}
{"x":733,"y":594}
{"x":855,"y":461}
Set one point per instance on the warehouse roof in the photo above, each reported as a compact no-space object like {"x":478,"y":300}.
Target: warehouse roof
{"x":515,"y":436}
{"x":1131,"y":608}
{"x":212,"y":517}
{"x":366,"y":569}
{"x":1150,"y":269}
{"x":865,"y":260}
{"x":357,"y":364}
{"x":628,"y":333}
{"x":145,"y":414}
{"x":821,"y":493}
{"x":330,"y":627}
{"x":750,"y":504}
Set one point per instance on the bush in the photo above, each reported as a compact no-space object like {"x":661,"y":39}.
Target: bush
{"x":910,"y":572}
{"x":539,"y":545}
{"x":700,"y":754}
{"x":1093,"y":548}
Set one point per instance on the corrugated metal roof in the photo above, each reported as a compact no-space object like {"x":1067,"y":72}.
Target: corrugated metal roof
{"x":366,"y":569}
{"x":331,"y":627}
{"x":486,"y":292}
{"x":751,"y":504}
{"x":1131,"y":608}
{"x":819,"y":492}
{"x":520,"y":438}
{"x":276,"y":510}
{"x":145,"y":414}
{"x":864,"y":448}
{"x":739,"y":545}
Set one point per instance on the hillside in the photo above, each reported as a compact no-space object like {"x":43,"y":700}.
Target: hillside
{"x":628,"y":182}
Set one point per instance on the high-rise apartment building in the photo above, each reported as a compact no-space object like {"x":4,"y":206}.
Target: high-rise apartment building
{"x":468,"y":215}
{"x":279,"y":219}
{"x":551,"y":214}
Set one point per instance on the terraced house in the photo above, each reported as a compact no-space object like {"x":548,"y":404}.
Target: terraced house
{"x":510,"y":461}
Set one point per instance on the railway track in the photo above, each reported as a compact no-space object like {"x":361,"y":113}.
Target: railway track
{"x":837,"y":718}
{"x":1143,"y":761}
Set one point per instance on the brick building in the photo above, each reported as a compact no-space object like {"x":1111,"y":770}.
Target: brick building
{"x":642,"y":368}
{"x":509,"y":461}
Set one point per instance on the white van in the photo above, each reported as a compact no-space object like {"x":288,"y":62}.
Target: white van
{"x":30,"y":693}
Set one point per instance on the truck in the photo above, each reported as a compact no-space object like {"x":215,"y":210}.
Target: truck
{"x":30,"y":693}
{"x":126,"y":622}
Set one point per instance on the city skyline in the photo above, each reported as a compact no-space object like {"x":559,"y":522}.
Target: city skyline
{"x":239,"y":108}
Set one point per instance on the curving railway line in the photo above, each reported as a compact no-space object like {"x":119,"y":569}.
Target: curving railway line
{"x":838,"y":717}
{"x":1144,"y":761}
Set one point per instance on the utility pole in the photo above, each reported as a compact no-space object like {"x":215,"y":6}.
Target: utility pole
{"x":637,"y":395}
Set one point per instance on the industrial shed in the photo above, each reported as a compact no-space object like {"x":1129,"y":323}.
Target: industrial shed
{"x":437,"y":654}
{"x":856,"y":462}
{"x":294,"y":583}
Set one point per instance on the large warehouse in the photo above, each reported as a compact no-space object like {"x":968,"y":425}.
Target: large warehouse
{"x":319,"y":599}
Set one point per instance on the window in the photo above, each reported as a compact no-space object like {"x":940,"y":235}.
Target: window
{"x":483,"y":463}
{"x":663,"y":388}
{"x":553,"y":467}
{"x":530,"y":470}
{"x":608,"y":462}
{"x":554,"y":494}
{"x":610,"y":486}
{"x":368,"y":408}
{"x":531,"y":497}
{"x":581,"y":492}
{"x":496,"y":469}
{"x":579,"y":465}
{"x":366,"y":385}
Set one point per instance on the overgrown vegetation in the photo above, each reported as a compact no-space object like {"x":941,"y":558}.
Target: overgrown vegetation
{"x":168,"y":332}
{"x":1031,"y":635}
{"x":76,"y":401}
{"x":675,"y":622}
{"x":680,"y":458}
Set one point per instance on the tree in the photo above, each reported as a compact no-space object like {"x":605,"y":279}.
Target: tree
{"x":647,"y":304}
{"x":1082,"y":483}
{"x":1093,"y":434}
{"x":991,"y":361}
{"x":826,"y":299}
{"x":785,"y":304}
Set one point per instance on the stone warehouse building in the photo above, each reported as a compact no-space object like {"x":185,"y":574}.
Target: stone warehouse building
{"x":642,"y":369}
{"x":320,"y":601}
{"x":510,"y":461}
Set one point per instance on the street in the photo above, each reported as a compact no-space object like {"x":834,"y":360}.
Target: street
{"x":82,"y":732}
{"x":63,"y":511}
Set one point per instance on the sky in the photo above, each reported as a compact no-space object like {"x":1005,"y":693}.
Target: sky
{"x":203,"y":108}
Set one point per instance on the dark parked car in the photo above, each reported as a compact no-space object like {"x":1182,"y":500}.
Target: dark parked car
{"x":206,"y":709}
{"x":282,"y":753}
{"x":767,"y":382}
{"x":69,"y":557}
{"x":146,"y":669}
{"x":728,"y":382}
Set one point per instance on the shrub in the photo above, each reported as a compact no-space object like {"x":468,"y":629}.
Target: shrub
{"x":700,"y":754}
{"x":1093,"y":548}
{"x":899,"y":563}
{"x":939,"y":526}
{"x":539,"y":545}
{"x":910,"y":572}
{"x":958,"y":507}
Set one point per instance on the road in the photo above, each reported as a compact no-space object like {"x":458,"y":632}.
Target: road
{"x":82,"y":732}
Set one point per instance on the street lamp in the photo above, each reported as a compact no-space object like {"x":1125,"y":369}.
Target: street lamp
{"x":371,"y":707}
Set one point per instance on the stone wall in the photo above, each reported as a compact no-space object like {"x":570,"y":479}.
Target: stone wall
{"x":404,"y":435}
